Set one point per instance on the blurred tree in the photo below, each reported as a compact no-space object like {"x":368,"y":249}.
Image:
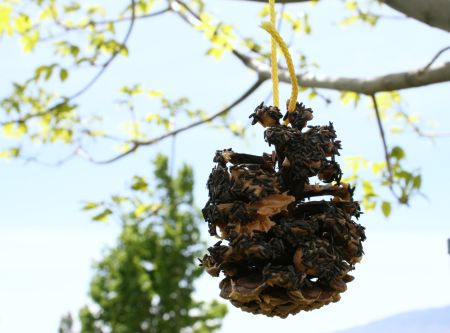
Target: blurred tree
{"x":66,"y":324}
{"x":145,"y":283}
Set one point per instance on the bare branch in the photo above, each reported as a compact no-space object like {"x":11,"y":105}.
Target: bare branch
{"x":368,"y":86}
{"x":35,"y":159}
{"x":416,"y":129}
{"x":136,"y":18}
{"x":136,"y":144}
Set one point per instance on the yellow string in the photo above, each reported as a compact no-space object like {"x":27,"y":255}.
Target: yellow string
{"x":270,"y":28}
{"x":273,"y":56}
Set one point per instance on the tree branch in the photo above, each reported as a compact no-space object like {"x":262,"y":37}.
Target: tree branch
{"x":383,"y":137}
{"x":434,"y":13}
{"x":89,"y":84}
{"x":431,"y":12}
{"x":368,"y":86}
{"x":385,"y":146}
{"x":136,"y":144}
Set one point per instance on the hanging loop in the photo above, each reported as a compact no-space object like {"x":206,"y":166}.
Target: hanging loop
{"x":270,"y":28}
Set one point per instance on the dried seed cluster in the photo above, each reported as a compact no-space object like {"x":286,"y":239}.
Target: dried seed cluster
{"x":280,"y":252}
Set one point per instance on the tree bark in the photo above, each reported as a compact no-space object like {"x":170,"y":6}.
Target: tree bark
{"x":435,"y":13}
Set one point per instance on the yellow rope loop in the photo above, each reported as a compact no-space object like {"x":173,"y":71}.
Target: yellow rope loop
{"x":274,"y":61}
{"x":270,"y":28}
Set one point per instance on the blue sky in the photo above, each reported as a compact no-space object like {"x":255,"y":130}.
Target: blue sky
{"x":47,"y":244}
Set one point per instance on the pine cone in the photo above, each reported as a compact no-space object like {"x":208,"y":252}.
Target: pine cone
{"x":281,"y":254}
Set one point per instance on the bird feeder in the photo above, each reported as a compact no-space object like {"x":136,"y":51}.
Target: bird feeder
{"x":286,"y":222}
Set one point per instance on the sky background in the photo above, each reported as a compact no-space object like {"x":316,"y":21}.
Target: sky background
{"x":47,"y":244}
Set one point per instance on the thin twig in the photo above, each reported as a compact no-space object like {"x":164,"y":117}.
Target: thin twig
{"x":113,"y":56}
{"x":58,"y":163}
{"x":136,"y":144}
{"x":188,"y":9}
{"x":418,"y":131}
{"x":119,"y":20}
{"x":385,"y":146}
{"x":137,"y":17}
{"x":434,"y":59}
{"x":324,"y":98}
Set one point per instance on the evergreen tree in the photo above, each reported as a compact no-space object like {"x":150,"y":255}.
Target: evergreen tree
{"x":145,"y":283}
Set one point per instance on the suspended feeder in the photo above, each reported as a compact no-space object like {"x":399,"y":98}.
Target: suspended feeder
{"x":288,"y":242}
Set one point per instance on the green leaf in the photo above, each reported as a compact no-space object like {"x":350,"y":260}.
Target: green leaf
{"x":386,"y":208}
{"x":265,"y":11}
{"x":103,"y":216}
{"x":48,"y":73}
{"x":61,"y":134}
{"x":396,"y":129}
{"x":349,"y":96}
{"x":237,"y":129}
{"x":417,"y":182}
{"x":90,"y":205}
{"x":368,"y":204}
{"x":407,"y":176}
{"x":351,"y":4}
{"x":397,"y":153}
{"x":377,"y":167}
{"x":5,"y":19}
{"x":155,"y":93}
{"x":72,"y":7}
{"x":371,"y":19}
{"x":63,"y":74}
{"x":110,"y":27}
{"x":368,"y":189}
{"x":215,"y":52}
{"x":15,"y":131}
{"x":387,"y":99}
{"x":139,"y":184}
{"x":141,"y":209}
{"x":29,"y":41}
{"x":118,"y":199}
{"x":349,"y":20}
{"x":312,"y":95}
{"x":9,"y":153}
{"x":74,"y":50}
{"x":22,"y":23}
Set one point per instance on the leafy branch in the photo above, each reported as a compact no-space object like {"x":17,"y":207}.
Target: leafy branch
{"x":135,"y":144}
